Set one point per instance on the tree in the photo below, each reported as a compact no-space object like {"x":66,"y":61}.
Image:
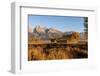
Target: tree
{"x":75,"y":35}
{"x":86,"y":27}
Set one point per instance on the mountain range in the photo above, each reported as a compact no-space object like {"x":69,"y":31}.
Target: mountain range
{"x":46,"y":33}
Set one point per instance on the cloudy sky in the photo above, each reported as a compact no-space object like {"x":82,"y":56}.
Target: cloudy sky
{"x":62,"y":23}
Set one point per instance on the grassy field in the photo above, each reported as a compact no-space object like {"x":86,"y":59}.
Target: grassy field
{"x":68,"y":52}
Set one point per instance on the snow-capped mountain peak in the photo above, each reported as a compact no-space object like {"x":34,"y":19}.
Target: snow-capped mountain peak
{"x":39,"y":29}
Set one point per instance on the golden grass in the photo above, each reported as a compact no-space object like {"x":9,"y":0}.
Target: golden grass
{"x":39,"y":53}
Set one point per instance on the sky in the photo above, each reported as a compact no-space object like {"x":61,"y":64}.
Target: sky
{"x":62,"y":23}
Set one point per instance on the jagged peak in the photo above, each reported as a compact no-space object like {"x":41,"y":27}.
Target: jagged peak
{"x":40,"y":28}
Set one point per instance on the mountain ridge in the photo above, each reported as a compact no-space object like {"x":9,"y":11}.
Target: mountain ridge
{"x":47,"y":33}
